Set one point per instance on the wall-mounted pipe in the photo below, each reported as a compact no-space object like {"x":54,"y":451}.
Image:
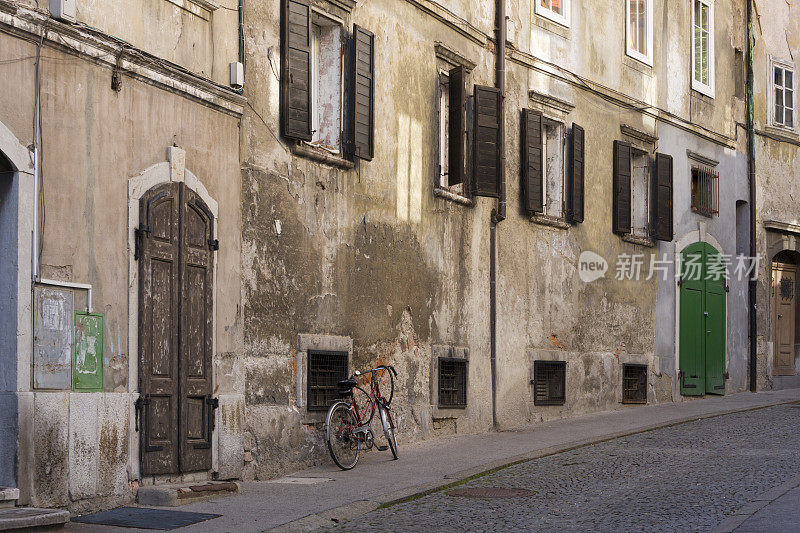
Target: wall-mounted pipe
{"x":37,"y":135}
{"x":751,"y":173}
{"x":498,"y":214}
{"x":70,"y":285}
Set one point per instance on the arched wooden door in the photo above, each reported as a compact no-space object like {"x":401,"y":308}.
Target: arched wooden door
{"x":175,"y":411}
{"x":702,"y":321}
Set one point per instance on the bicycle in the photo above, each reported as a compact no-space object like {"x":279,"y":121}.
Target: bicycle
{"x":347,"y":425}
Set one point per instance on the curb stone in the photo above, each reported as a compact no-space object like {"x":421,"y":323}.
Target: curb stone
{"x":755,"y":505}
{"x":355,"y":509}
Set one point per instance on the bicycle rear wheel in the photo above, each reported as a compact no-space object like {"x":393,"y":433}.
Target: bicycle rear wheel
{"x":342,"y":444}
{"x":388,"y":428}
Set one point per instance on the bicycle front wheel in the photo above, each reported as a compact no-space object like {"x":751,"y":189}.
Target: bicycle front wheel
{"x":342,"y":443}
{"x":388,"y":428}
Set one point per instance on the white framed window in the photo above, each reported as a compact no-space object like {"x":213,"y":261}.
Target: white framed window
{"x":784,"y":103}
{"x":555,"y":10}
{"x":703,"y":46}
{"x":553,"y":167}
{"x":326,"y":83}
{"x":639,"y":30}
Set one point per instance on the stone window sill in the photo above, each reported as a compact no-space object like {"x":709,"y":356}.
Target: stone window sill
{"x":552,"y":222}
{"x":447,"y":194}
{"x":783,"y":133}
{"x":303,"y":149}
{"x":551,"y":26}
{"x":641,"y":241}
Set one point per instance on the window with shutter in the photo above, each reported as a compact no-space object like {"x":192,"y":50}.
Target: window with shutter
{"x":363,"y":93}
{"x":296,"y":117}
{"x":621,"y":211}
{"x":662,"y":199}
{"x":457,"y":103}
{"x":487,"y":156}
{"x":575,"y":183}
{"x":532,"y":148}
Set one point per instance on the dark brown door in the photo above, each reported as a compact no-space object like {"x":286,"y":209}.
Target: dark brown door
{"x":784,"y":300}
{"x":175,"y":251}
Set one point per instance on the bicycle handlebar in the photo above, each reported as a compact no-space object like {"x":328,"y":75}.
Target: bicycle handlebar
{"x":374,"y":370}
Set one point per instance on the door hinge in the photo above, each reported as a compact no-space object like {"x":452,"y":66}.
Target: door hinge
{"x":213,"y":244}
{"x":212,"y":404}
{"x":140,"y":234}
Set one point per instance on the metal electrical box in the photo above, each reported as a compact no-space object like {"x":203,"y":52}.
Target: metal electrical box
{"x":88,"y":363}
{"x":52,"y":338}
{"x":64,"y":9}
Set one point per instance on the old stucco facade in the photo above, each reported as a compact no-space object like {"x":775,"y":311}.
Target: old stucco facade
{"x":373,"y":252}
{"x":777,"y":165}
{"x":371,"y":257}
{"x":115,"y":122}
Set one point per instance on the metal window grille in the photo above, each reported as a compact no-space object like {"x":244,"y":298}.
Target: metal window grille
{"x":452,"y":383}
{"x":325,"y":371}
{"x":634,"y":384}
{"x":705,"y":191}
{"x":549,"y":382}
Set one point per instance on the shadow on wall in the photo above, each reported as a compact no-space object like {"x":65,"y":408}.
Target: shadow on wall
{"x":409,"y":169}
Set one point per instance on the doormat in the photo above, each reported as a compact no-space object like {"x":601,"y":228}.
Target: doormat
{"x":145,"y":518}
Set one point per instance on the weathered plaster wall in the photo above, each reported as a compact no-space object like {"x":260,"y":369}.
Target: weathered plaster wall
{"x":691,"y":227}
{"x":78,"y":449}
{"x":777,"y":35}
{"x":185,"y":32}
{"x":372,"y":254}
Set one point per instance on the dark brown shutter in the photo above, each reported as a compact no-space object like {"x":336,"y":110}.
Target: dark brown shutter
{"x":621,"y":214}
{"x":457,"y":125}
{"x":662,"y":199}
{"x":159,"y":295}
{"x":488,"y":113}
{"x":575,"y":182}
{"x":532,"y":161}
{"x":296,"y":69}
{"x":363,"y":93}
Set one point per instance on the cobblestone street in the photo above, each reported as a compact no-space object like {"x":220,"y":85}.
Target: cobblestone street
{"x":687,"y":477}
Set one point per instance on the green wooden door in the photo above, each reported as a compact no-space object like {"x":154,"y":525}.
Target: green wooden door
{"x":702,"y":321}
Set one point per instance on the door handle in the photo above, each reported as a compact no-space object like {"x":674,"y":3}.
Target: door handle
{"x":780,"y":316}
{"x":705,"y":314}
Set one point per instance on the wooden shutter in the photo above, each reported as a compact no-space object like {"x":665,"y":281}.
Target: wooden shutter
{"x":159,"y":307}
{"x":363,"y":93}
{"x":457,"y":125}
{"x":662,"y":199}
{"x":296,"y":69}
{"x":621,"y":214}
{"x":487,"y":156}
{"x":575,"y":182}
{"x":196,"y":327}
{"x":532,"y":161}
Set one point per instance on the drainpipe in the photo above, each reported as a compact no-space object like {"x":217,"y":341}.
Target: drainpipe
{"x":241,"y":41}
{"x":37,"y":135}
{"x":499,"y":213}
{"x":751,"y":173}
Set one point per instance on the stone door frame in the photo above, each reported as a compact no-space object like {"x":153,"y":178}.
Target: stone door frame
{"x":172,"y":170}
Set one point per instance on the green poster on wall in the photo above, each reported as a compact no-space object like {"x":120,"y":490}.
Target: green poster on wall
{"x":88,"y":364}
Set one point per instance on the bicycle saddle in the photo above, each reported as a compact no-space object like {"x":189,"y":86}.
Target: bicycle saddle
{"x":347,"y":384}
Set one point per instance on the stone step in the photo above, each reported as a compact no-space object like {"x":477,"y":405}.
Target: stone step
{"x":28,"y":518}
{"x":8,"y":497}
{"x":175,"y":495}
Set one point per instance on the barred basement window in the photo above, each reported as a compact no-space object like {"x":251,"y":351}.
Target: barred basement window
{"x":549,"y":382}
{"x":452,"y":383}
{"x":325,"y":370}
{"x":705,"y":191}
{"x":634,"y":383}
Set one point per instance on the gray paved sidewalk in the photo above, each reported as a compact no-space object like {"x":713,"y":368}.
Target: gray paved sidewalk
{"x":332,"y":495}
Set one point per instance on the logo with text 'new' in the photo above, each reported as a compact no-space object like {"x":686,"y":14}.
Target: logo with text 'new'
{"x":591,"y":266}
